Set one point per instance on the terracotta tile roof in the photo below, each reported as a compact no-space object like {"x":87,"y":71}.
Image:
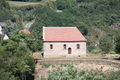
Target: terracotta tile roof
{"x":26,"y":31}
{"x":62,"y":34}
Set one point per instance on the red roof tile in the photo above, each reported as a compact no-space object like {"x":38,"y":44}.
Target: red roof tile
{"x":25,"y":31}
{"x":62,"y":34}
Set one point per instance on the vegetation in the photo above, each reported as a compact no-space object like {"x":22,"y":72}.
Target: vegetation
{"x":106,"y":45}
{"x":16,"y":61}
{"x":28,"y":40}
{"x":72,"y":73}
{"x":94,"y":18}
{"x":44,"y":65}
{"x":16,"y":58}
{"x":117,"y":48}
{"x":5,"y":13}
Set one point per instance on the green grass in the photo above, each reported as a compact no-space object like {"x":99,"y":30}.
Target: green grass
{"x":45,"y":65}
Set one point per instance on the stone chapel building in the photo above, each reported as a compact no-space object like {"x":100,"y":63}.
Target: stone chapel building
{"x":63,"y":42}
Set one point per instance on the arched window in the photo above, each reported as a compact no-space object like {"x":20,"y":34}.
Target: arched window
{"x":64,"y":46}
{"x":78,"y":46}
{"x":51,"y":46}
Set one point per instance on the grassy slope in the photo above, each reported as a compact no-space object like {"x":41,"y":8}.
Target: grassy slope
{"x":92,"y":33}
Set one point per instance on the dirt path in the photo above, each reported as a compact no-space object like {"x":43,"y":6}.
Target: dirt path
{"x":39,"y":72}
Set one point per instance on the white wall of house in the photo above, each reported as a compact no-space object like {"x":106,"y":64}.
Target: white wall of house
{"x":1,"y":30}
{"x":59,"y":51}
{"x":5,"y":37}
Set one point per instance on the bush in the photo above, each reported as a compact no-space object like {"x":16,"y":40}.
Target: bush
{"x":44,"y":65}
{"x":6,"y":75}
{"x":72,"y":74}
{"x":106,"y":45}
{"x":4,"y":4}
{"x":113,"y":76}
{"x":15,"y":59}
{"x":64,"y":4}
{"x":117,"y":47}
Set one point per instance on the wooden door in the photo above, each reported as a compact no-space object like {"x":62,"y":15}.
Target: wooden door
{"x":69,"y":51}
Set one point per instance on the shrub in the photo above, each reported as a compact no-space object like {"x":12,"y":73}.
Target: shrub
{"x":45,"y":65}
{"x":106,"y":45}
{"x":113,"y":76}
{"x":117,"y":47}
{"x":73,"y":74}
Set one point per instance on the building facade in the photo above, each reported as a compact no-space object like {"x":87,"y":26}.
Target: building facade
{"x":63,"y":42}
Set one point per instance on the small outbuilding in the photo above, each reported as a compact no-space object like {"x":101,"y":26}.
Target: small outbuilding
{"x":63,"y":42}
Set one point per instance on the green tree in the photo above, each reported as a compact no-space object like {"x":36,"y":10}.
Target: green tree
{"x":4,"y":4}
{"x":5,"y":13}
{"x":34,"y":45}
{"x":28,"y":40}
{"x":16,"y":59}
{"x":6,"y":75}
{"x":64,"y":4}
{"x":106,"y":45}
{"x":117,"y":47}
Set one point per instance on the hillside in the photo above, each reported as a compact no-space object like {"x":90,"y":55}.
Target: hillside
{"x":94,"y":18}
{"x":98,"y":20}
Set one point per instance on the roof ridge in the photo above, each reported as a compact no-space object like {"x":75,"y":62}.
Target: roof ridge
{"x":59,"y":27}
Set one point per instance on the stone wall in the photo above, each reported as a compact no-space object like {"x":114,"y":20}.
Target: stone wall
{"x":59,"y":51}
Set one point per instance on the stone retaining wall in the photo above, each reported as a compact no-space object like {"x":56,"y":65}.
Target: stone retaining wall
{"x":78,"y":61}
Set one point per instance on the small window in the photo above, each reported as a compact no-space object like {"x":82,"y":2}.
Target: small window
{"x":2,"y":27}
{"x":51,"y":46}
{"x":78,"y":46}
{"x":64,"y":46}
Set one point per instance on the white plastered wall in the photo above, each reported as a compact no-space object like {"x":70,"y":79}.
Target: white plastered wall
{"x":59,"y":51}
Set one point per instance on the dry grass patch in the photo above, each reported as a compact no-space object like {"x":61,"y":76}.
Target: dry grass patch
{"x":37,"y":55}
{"x":20,"y":4}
